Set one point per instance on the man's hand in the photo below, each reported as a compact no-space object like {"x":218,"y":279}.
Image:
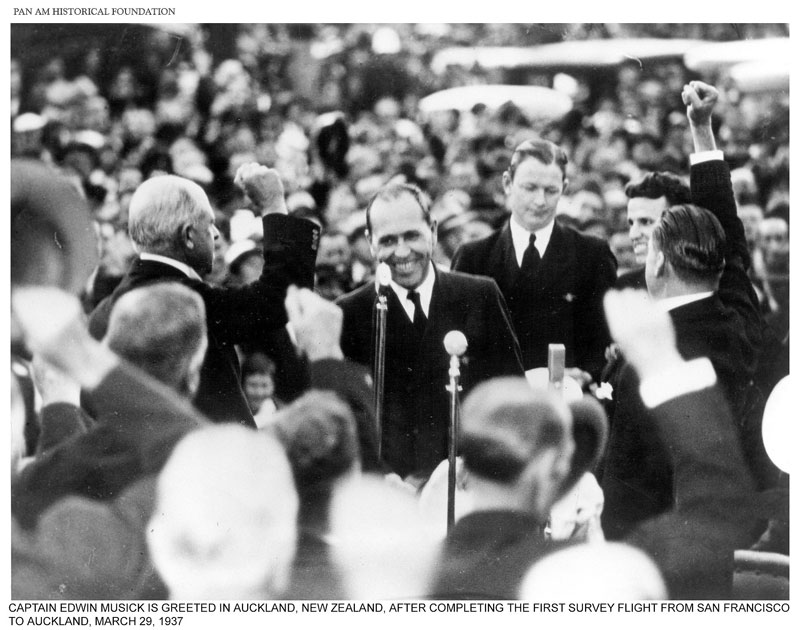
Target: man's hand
{"x":644,"y":332}
{"x":700,"y":99}
{"x":53,"y":385}
{"x":263,"y":187}
{"x":316,"y":322}
{"x":54,"y":328}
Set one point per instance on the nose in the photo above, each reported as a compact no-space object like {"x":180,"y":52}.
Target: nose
{"x":538,"y":197}
{"x":214,"y":232}
{"x":401,"y":249}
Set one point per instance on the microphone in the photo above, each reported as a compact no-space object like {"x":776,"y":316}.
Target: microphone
{"x":383,"y":276}
{"x":455,"y":343}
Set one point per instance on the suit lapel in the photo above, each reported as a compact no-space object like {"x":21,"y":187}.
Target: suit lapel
{"x":558,"y":259}
{"x":502,"y":263}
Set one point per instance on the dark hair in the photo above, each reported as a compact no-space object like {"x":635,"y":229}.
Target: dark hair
{"x":506,"y":424}
{"x":543,"y":150}
{"x":320,"y":437}
{"x":257,"y":363}
{"x":692,"y":241}
{"x":660,"y":184}
{"x":390,"y":192}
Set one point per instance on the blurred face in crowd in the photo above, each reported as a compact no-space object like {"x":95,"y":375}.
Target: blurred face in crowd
{"x":334,"y":250}
{"x":773,"y":241}
{"x":258,"y":387}
{"x":751,"y":216}
{"x":620,"y":244}
{"x":402,"y":238}
{"x":643,"y":214}
{"x":533,"y":193}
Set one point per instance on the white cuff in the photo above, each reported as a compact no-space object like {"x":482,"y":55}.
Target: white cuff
{"x":685,"y":378}
{"x":706,"y":156}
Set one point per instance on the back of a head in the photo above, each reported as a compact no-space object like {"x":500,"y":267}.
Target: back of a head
{"x":224,"y":524}
{"x":505,"y":423}
{"x":159,"y":209}
{"x":161,"y":329}
{"x":594,"y":572}
{"x":660,"y":184}
{"x":318,"y":432}
{"x":693,"y":242}
{"x":384,"y":548}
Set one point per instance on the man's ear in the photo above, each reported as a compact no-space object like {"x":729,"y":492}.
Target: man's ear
{"x":564,"y":186}
{"x":187,"y":236}
{"x":660,"y":266}
{"x":543,"y":478}
{"x":434,"y":233}
{"x":506,"y":182}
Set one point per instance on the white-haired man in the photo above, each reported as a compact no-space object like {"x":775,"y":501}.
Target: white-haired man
{"x":172,"y":226}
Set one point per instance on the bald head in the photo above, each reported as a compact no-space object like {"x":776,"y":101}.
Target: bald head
{"x":600,"y":571}
{"x":171,"y":216}
{"x":224,"y":525}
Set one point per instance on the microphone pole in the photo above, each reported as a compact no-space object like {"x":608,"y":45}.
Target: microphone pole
{"x":455,"y":343}
{"x":383,"y":276}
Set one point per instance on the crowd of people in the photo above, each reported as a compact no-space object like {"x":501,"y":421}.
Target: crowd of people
{"x":193,"y":379}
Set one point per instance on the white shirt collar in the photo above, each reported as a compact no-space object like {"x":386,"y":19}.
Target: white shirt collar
{"x":521,"y":237}
{"x":675,"y":301}
{"x":186,"y":269}
{"x":425,"y":291}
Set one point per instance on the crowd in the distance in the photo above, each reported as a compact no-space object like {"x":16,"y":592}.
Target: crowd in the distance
{"x":193,"y":410}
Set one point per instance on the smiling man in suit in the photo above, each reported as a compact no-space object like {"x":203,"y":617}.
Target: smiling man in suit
{"x":424,"y":304}
{"x":552,"y":277}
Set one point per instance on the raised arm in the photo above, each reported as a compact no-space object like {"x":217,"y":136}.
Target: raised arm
{"x":290,"y":251}
{"x":693,"y":543}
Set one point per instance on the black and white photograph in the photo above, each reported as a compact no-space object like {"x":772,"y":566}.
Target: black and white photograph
{"x":391,"y":322}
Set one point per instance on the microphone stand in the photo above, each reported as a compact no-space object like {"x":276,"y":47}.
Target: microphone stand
{"x":453,"y":388}
{"x":379,"y":365}
{"x":455,"y":343}
{"x":383,"y":276}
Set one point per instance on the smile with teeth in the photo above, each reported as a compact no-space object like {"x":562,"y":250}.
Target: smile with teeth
{"x":405,"y":266}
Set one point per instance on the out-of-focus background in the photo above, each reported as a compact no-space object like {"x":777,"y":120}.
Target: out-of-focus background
{"x":340,"y":109}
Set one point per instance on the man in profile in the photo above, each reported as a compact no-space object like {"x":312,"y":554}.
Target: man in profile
{"x":696,"y":269}
{"x":171,"y":224}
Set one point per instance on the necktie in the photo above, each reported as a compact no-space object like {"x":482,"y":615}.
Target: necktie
{"x":420,"y":321}
{"x":531,"y":258}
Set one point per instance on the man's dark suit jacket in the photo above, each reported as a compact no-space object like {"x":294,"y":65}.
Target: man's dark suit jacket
{"x":139,"y":422}
{"x":234,"y":316}
{"x":637,"y":477}
{"x":712,"y":512}
{"x":416,"y":401}
{"x":632,"y":280}
{"x":562,"y":303}
{"x":488,"y":553}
